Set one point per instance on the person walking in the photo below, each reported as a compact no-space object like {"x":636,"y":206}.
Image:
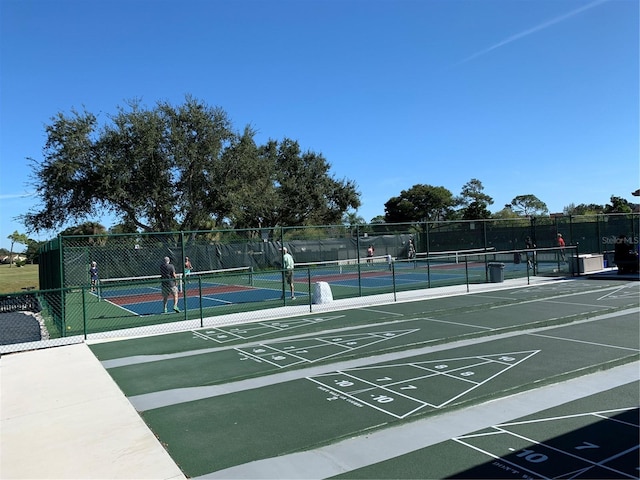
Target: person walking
{"x":288,"y":265}
{"x":169,"y":287}
{"x":561,"y":244}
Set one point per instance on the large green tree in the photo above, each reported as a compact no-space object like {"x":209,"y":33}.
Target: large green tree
{"x":304,"y":191}
{"x":179,"y":168}
{"x":618,"y":205}
{"x":474,"y":201}
{"x":420,"y":203}
{"x":583,"y":209}
{"x":529,"y":206}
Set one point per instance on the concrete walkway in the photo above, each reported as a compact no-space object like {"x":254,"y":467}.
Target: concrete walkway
{"x":63,"y":417}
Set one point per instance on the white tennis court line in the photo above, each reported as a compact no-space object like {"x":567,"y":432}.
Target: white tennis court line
{"x":214,"y":299}
{"x":123,"y":308}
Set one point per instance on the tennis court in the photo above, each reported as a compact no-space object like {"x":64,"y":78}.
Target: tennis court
{"x":143,"y":295}
{"x":130,"y":302}
{"x":228,"y":400}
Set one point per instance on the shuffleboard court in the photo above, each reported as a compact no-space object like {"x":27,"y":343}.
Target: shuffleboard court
{"x":278,"y":418}
{"x":593,"y":437}
{"x":294,"y":384}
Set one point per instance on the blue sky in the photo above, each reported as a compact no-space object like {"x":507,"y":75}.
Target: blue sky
{"x":529,"y":96}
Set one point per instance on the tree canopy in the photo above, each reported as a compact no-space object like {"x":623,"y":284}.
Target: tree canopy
{"x":474,"y":201}
{"x":618,"y":205}
{"x":529,"y":206}
{"x":420,"y":203}
{"x":179,"y":168}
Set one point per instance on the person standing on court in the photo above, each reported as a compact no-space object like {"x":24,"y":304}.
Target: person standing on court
{"x":411,"y":250}
{"x":169,"y":287}
{"x":370,"y":251}
{"x":187,"y":269}
{"x":287,"y":265}
{"x":93,"y":275}
{"x":531,"y":257}
{"x":561,"y":244}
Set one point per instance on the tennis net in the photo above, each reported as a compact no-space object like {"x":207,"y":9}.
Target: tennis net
{"x":345,"y":266}
{"x":468,"y":256}
{"x":151,"y":284}
{"x":223,"y":276}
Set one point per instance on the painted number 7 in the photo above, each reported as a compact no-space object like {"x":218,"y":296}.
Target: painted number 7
{"x":587,"y":445}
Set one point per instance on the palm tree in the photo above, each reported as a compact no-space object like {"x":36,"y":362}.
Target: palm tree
{"x":16,"y":237}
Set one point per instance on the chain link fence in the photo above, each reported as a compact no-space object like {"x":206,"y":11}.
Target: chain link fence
{"x":239,"y":272}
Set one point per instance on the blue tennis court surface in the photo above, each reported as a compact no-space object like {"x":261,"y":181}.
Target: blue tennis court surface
{"x":144,"y":296}
{"x":147,"y":300}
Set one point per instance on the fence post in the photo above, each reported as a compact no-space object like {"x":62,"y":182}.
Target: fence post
{"x":358,"y":259}
{"x":309,"y":288}
{"x":200,"y":300}
{"x":63,"y":312}
{"x":182,"y":276}
{"x":393,"y":276}
{"x":484,"y":233}
{"x":466,"y":271}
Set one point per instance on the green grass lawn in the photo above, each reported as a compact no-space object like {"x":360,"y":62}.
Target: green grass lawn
{"x":14,"y":279}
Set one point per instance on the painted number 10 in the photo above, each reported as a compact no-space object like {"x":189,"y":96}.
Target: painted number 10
{"x":383,"y":399}
{"x":533,"y":457}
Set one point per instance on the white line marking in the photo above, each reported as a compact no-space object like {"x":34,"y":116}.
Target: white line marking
{"x":496,"y":457}
{"x":579,"y":304}
{"x":491,"y":377}
{"x":214,"y":299}
{"x":455,"y":323}
{"x":583,"y":341}
{"x":573,"y":415}
{"x":611,"y":293}
{"x":547,"y":299}
{"x":601,"y":463}
{"x":381,"y":311}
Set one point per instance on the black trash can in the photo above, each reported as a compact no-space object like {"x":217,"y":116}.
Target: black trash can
{"x":496,"y":272}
